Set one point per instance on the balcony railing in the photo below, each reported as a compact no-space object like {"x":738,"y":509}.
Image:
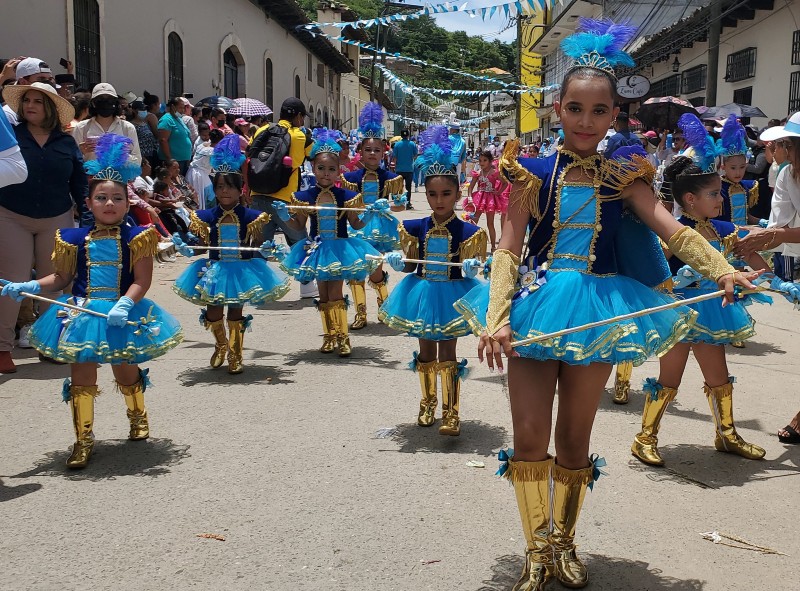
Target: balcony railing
{"x":741,"y":65}
{"x":794,"y":92}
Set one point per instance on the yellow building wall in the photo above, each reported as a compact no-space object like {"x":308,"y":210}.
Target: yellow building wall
{"x":530,"y":69}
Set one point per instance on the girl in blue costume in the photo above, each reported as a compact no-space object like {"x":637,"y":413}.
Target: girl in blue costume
{"x":110,"y":266}
{"x":230,"y":278}
{"x":572,"y":204}
{"x":696,"y":187}
{"x":330,"y":256}
{"x":422,"y":303}
{"x":376,"y":186}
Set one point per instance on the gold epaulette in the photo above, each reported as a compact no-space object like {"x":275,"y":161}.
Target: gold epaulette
{"x":752,"y":196}
{"x":199,"y":228}
{"x":619,"y":174}
{"x":395,"y":186}
{"x":64,"y":257}
{"x":143,"y":245}
{"x":525,"y":186}
{"x":348,"y":185}
{"x":409,"y":243}
{"x":475,"y":246}
{"x":356,"y":202}
{"x":729,"y":242}
{"x":255,"y":229}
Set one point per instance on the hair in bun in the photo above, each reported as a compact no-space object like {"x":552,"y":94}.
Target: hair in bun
{"x":684,"y":176}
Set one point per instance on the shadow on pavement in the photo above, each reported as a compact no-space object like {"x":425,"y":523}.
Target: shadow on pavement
{"x":377,"y":329}
{"x":755,"y":349}
{"x":604,"y":573}
{"x":40,"y":370}
{"x":9,"y":493}
{"x":362,"y":355}
{"x":252,"y":374}
{"x":705,"y":467}
{"x":287,"y":305}
{"x":113,"y":458}
{"x":476,"y":437}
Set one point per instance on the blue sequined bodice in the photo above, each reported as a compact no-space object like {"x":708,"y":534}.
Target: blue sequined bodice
{"x":104,"y":263}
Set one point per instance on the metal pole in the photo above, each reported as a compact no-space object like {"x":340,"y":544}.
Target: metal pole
{"x":374,"y":59}
{"x":713,"y":53}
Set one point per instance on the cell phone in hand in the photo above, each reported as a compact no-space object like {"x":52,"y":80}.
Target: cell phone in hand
{"x":64,"y":63}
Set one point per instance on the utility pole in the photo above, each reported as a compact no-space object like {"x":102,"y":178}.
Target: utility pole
{"x":712,"y":70}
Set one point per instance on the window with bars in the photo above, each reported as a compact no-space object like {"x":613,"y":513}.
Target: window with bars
{"x":694,"y":79}
{"x":231,"y":68}
{"x":321,"y":75}
{"x":741,"y":65}
{"x":297,"y":86}
{"x":175,"y":64}
{"x":796,"y":48}
{"x":794,"y":92}
{"x":87,"y":42}
{"x":670,"y":86}
{"x":269,"y":85}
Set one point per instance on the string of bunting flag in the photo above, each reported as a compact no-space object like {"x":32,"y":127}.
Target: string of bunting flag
{"x":420,"y":123}
{"x":408,"y":88}
{"x":416,"y":61}
{"x":508,"y":9}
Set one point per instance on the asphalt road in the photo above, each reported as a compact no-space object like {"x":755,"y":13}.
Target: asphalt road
{"x":283,"y":462}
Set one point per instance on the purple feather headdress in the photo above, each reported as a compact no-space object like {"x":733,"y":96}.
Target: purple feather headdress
{"x":600,"y":44}
{"x":325,"y":140}
{"x":437,"y":152}
{"x":732,"y":140}
{"x":227,"y":156}
{"x":370,"y":121}
{"x":705,"y":150}
{"x":112,"y":160}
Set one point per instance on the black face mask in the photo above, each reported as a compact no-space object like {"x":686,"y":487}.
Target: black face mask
{"x":221,"y":123}
{"x":106,"y":108}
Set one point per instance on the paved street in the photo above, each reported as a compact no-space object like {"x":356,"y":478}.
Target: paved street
{"x":283,"y":462}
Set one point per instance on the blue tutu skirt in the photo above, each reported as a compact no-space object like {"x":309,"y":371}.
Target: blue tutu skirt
{"x":717,"y":325}
{"x":337,"y":259}
{"x":381,"y":231}
{"x":424,"y":309}
{"x":569,"y":299}
{"x":76,"y":337}
{"x":217,"y":283}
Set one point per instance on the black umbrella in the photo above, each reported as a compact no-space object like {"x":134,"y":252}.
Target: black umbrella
{"x":221,"y":102}
{"x":724,"y":111}
{"x":663,"y":112}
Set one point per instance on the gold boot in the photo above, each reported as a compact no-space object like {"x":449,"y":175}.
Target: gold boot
{"x":236,"y":329}
{"x":531,"y":482}
{"x":720,"y":399}
{"x":450,"y":373}
{"x":217,"y":328}
{"x":569,"y":490}
{"x":427,"y":381}
{"x":328,"y":328}
{"x":380,"y":288}
{"x":82,"y":405}
{"x":645,"y":444}
{"x":134,"y":400}
{"x":339,"y":316}
{"x":360,"y":302}
{"x":622,"y":382}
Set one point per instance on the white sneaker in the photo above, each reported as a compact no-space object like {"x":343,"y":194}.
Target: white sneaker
{"x":309,"y":290}
{"x":24,"y":343}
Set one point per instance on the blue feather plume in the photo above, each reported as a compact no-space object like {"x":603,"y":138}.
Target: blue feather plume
{"x":112,"y":154}
{"x":604,"y":37}
{"x":705,"y":150}
{"x":628,"y":152}
{"x":227,"y":156}
{"x":437,"y":150}
{"x":325,"y":140}
{"x":732,"y":140}
{"x":370,"y":120}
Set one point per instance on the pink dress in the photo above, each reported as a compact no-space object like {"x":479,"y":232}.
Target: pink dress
{"x":487,"y":196}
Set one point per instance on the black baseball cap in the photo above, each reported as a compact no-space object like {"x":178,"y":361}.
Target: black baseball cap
{"x":292,"y":106}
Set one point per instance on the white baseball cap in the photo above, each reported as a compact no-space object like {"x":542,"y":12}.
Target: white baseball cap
{"x":30,"y":66}
{"x":791,"y":129}
{"x":103,"y":89}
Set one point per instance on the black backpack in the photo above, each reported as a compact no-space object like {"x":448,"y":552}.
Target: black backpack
{"x":266,"y":173}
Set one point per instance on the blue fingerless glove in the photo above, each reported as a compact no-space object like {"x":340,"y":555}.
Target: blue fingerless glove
{"x":118,"y":315}
{"x":281,"y":210}
{"x":470,"y":267}
{"x":763,"y":223}
{"x":686,"y":276}
{"x":791,"y":291}
{"x":13,"y":290}
{"x":181,"y":246}
{"x":395,"y":261}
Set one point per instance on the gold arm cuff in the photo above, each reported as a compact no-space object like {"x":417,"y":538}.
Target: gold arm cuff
{"x":505,"y":270}
{"x":199,"y":228}
{"x":525,"y":186}
{"x":348,"y":185}
{"x":64,"y":257}
{"x":143,"y":245}
{"x":255,"y":229}
{"x":409,"y":243}
{"x":695,"y":251}
{"x":474,"y":246}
